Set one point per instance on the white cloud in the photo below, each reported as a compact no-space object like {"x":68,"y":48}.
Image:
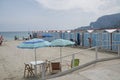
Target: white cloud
{"x":110,"y":6}
{"x":70,"y":4}
{"x":95,"y":6}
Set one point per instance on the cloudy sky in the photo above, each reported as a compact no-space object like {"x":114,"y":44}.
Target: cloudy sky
{"x":24,"y":15}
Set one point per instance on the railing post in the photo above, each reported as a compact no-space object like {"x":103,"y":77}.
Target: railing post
{"x":43,"y":71}
{"x":96,"y":52}
{"x":118,"y":50}
{"x":73,"y":57}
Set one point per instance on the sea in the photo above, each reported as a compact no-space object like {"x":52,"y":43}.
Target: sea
{"x":8,"y":36}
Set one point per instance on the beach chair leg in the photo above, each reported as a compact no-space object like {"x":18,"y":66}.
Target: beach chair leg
{"x":28,"y":71}
{"x":25,"y":70}
{"x":31,"y":71}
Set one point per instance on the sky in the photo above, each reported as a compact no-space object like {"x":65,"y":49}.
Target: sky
{"x":36,"y":15}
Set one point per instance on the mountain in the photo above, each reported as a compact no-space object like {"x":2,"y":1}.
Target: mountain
{"x":107,"y":21}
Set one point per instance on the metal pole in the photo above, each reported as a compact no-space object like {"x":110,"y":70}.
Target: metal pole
{"x":91,"y":40}
{"x":82,"y":39}
{"x":73,"y":57}
{"x":35,"y":63}
{"x":100,"y":39}
{"x":118,"y":50}
{"x":61,"y":55}
{"x":43,"y":71}
{"x":111,"y":40}
{"x":96,"y":50}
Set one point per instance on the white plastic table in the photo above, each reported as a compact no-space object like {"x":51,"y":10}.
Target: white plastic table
{"x":37,"y":63}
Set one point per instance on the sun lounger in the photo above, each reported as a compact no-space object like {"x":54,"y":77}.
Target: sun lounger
{"x":55,"y":67}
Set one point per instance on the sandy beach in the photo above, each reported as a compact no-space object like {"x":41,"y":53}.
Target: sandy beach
{"x":12,"y":59}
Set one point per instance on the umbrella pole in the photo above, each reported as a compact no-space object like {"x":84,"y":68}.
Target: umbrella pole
{"x":35,"y":63}
{"x":61,"y":55}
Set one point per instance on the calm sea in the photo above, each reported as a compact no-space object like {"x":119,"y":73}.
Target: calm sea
{"x":10,"y":35}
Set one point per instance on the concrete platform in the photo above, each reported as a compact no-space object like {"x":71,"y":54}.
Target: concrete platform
{"x":106,"y":70}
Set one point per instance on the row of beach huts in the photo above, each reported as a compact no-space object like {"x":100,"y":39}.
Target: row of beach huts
{"x":107,"y":39}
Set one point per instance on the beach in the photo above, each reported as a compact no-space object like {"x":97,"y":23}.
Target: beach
{"x":12,"y":59}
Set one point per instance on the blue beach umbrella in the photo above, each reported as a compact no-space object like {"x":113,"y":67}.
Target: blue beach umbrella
{"x":34,"y":44}
{"x":61,"y":43}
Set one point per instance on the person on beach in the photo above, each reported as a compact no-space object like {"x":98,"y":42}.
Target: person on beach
{"x":1,"y":39}
{"x":15,"y":38}
{"x":90,"y":42}
{"x":30,"y":36}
